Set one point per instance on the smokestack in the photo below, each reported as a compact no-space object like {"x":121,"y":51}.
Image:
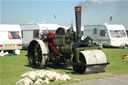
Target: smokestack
{"x":78,"y":22}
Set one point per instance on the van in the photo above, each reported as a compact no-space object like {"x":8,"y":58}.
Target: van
{"x":10,"y":37}
{"x":106,"y":35}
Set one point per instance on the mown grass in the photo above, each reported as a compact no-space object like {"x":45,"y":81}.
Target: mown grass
{"x":11,"y":67}
{"x":117,"y":64}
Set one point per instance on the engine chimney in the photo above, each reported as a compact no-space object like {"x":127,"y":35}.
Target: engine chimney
{"x":78,"y":22}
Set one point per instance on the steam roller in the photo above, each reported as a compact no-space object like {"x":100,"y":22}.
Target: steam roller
{"x":65,"y":47}
{"x":94,"y":61}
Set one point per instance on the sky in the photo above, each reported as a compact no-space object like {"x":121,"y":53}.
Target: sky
{"x":62,"y":11}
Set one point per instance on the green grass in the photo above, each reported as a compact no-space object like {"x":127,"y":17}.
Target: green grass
{"x":11,"y":67}
{"x":118,"y":65}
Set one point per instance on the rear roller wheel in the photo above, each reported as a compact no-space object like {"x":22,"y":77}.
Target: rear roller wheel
{"x":35,"y":56}
{"x":79,"y":68}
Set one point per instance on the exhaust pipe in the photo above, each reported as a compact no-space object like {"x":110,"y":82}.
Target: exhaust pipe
{"x":78,"y":22}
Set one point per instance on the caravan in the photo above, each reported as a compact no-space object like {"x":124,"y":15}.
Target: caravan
{"x":107,"y":34}
{"x":10,"y":37}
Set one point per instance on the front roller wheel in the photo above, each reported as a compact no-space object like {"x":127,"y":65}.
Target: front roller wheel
{"x":79,"y":68}
{"x":35,"y":56}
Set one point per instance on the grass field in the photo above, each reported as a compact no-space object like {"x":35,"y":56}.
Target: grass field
{"x":11,"y":67}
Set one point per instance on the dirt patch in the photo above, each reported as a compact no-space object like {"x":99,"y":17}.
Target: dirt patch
{"x":125,"y":57}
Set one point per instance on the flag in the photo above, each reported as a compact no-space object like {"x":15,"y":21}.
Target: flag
{"x":110,"y":18}
{"x":54,"y":16}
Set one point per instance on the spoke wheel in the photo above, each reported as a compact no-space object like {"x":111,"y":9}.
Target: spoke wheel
{"x":35,"y":56}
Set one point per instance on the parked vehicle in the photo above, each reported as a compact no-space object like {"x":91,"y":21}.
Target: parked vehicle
{"x":10,"y":37}
{"x":106,"y":34}
{"x":66,"y":48}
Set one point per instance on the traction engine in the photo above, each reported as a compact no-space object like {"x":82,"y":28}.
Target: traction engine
{"x":67,"y":48}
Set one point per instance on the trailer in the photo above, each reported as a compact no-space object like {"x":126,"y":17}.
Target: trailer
{"x":106,"y":35}
{"x":10,"y":37}
{"x":34,"y":31}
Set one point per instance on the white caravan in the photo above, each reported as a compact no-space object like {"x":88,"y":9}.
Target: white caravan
{"x":10,"y":37}
{"x":34,"y":31}
{"x":106,"y":34}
